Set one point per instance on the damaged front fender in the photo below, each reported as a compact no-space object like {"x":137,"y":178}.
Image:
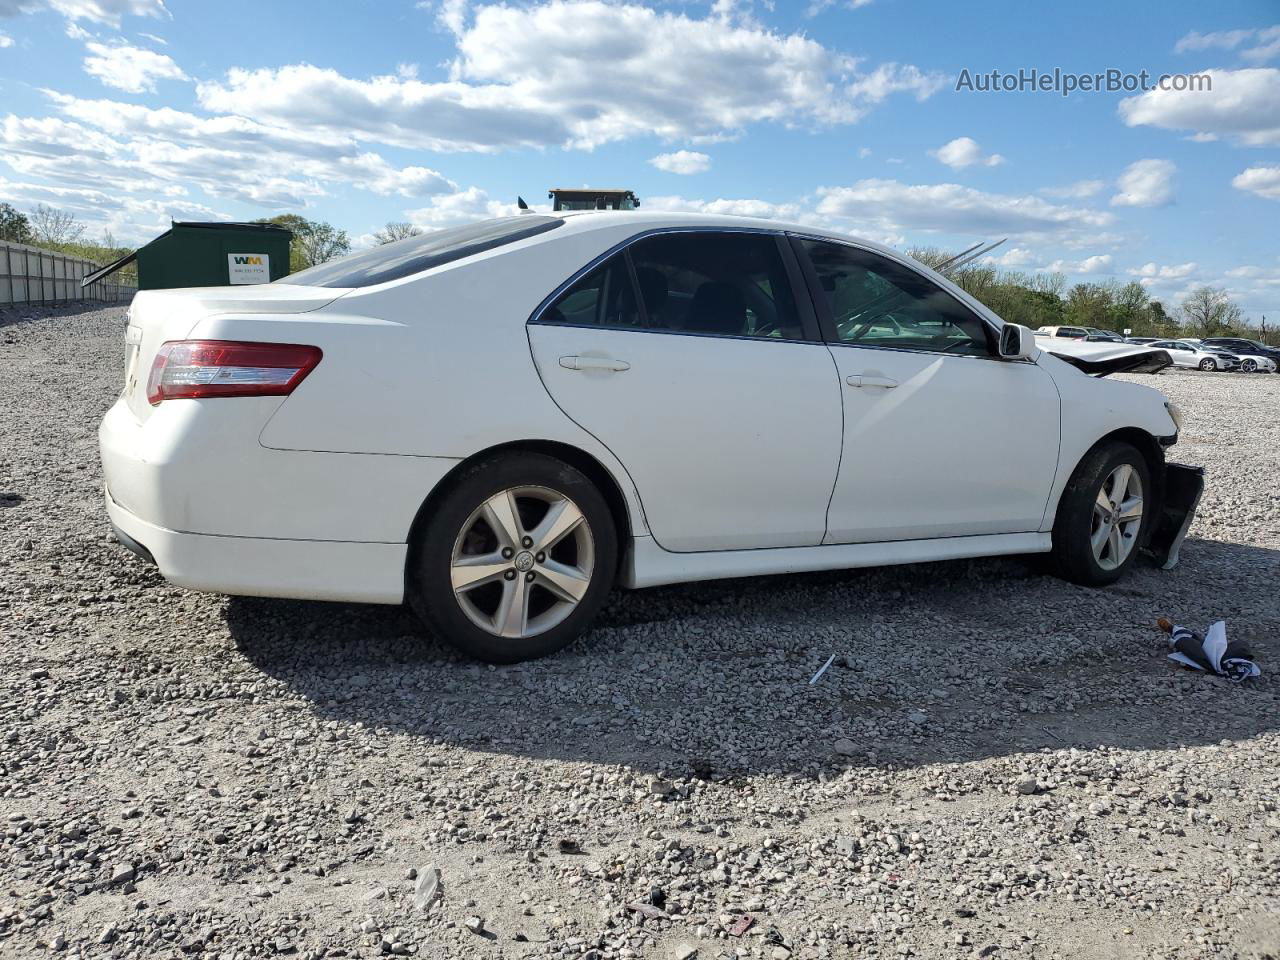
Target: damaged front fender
{"x":1104,"y":364}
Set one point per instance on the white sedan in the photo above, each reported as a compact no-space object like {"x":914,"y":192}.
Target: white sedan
{"x":1188,"y":353}
{"x":498,"y":422}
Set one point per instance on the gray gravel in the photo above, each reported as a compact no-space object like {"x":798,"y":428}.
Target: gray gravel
{"x":998,"y":763}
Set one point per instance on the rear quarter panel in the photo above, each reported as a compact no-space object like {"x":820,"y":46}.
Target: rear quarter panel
{"x":436,"y":365}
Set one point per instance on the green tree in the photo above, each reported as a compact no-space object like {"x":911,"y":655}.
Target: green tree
{"x":1210,"y":312}
{"x":1128,"y":305}
{"x":14,"y":225}
{"x":314,"y":241}
{"x":396,"y":230}
{"x":1087,"y":305}
{"x":51,"y":227}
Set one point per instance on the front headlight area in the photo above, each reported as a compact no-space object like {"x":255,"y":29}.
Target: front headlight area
{"x":1175,"y":414}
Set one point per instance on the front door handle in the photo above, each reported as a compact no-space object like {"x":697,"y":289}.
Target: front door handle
{"x":594,"y":363}
{"x":863,"y":380}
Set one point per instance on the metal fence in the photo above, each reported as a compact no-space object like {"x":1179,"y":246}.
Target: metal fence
{"x":35,"y":276}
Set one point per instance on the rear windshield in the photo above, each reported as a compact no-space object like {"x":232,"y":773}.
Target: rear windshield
{"x":402,"y":258}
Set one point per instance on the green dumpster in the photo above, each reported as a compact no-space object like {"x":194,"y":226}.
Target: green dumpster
{"x":194,"y":254}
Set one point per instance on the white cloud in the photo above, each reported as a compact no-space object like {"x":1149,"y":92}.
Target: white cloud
{"x":818,"y":6}
{"x":1222,"y":40}
{"x":460,"y":207}
{"x":1264,"y":181}
{"x":891,"y":78}
{"x":762,"y":209}
{"x":131,"y":148}
{"x":682,"y":161}
{"x":864,"y":152}
{"x":99,"y":11}
{"x":1259,"y":45}
{"x":1259,"y":278}
{"x":132,"y":219}
{"x":1099,"y":263}
{"x":5,"y":41}
{"x":556,"y":74}
{"x":888,"y":205}
{"x":1080,"y":190}
{"x":1015,"y":257}
{"x":1243,"y":104}
{"x":1150,"y":273}
{"x":1145,"y":183}
{"x":132,"y":69}
{"x":965,"y":152}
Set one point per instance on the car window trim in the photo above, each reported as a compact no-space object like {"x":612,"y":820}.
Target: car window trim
{"x":826,"y":320}
{"x":804,"y":309}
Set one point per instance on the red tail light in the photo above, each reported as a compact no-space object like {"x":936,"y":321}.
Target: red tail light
{"x":190,"y":369}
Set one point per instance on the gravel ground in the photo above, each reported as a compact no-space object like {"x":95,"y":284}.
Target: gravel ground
{"x":998,"y":764}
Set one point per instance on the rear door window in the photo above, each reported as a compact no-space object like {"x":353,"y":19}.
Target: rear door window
{"x":722,"y":284}
{"x":602,"y":298}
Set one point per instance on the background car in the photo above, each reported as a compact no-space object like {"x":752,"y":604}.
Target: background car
{"x":1185,"y":353}
{"x":1250,"y":352}
{"x":1069,"y":333}
{"x":498,"y":422}
{"x":1096,"y":333}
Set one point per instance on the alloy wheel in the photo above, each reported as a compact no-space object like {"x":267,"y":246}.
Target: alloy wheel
{"x":522,"y":561}
{"x":1249,"y":366}
{"x":1207,"y":364}
{"x":1116,"y":517}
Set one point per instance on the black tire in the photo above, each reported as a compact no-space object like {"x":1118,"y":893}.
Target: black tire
{"x":1208,"y":364}
{"x":1073,"y":557}
{"x":429,"y":584}
{"x":1249,"y":366}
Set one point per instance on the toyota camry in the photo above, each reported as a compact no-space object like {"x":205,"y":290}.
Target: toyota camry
{"x":498,"y":423}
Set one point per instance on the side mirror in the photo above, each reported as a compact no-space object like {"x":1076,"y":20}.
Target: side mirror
{"x":1016,"y":342}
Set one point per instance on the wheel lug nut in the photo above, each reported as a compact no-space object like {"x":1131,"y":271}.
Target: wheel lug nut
{"x":510,"y":575}
{"x":541,"y":558}
{"x":527,"y":541}
{"x":529,"y":577}
{"x":507,"y":553}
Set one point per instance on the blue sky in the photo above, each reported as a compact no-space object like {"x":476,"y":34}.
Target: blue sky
{"x":838,"y":112}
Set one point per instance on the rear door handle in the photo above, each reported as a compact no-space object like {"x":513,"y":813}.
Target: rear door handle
{"x":594,"y":363}
{"x":862,"y":380}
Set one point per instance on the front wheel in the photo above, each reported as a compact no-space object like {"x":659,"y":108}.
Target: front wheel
{"x":1208,"y":364}
{"x":516,"y":561}
{"x":1102,"y":516}
{"x":1249,"y":366}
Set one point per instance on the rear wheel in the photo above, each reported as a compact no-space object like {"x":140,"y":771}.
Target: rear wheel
{"x":1208,"y":364}
{"x":517,"y":560}
{"x":1249,"y":366}
{"x":1102,"y":517}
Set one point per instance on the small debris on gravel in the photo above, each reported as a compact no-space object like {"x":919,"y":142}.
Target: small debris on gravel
{"x":999,"y":763}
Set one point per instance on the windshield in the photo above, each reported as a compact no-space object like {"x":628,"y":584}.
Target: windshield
{"x":391,"y":261}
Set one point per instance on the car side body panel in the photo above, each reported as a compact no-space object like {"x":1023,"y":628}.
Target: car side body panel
{"x":320,"y":501}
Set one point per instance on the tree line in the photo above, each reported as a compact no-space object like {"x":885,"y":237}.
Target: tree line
{"x":1044,"y":300}
{"x":1033,"y":299}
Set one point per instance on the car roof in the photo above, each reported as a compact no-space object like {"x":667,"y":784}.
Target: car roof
{"x":585,"y":221}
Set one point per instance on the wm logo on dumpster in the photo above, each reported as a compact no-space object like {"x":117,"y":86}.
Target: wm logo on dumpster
{"x":250,"y":261}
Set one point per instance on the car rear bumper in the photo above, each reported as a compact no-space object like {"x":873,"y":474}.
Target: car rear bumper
{"x":258,"y":567}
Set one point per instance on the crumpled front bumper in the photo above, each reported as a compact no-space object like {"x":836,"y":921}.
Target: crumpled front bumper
{"x":1183,"y":486}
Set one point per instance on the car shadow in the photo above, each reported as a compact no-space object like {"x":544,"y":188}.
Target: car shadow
{"x":942,"y":662}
